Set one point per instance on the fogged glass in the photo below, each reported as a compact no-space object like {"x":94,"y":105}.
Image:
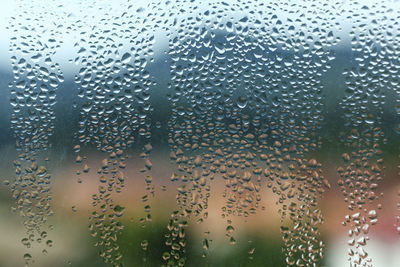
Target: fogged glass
{"x":200,"y":133}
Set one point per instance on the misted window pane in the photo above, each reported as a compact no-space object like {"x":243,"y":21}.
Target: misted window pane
{"x":200,"y":133}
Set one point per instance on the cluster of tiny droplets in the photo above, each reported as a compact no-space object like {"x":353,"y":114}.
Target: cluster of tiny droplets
{"x":33,"y":96}
{"x":361,"y":172}
{"x":114,"y":84}
{"x":239,"y":84}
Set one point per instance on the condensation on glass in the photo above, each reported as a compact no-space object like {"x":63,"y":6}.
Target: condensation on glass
{"x":242,"y":94}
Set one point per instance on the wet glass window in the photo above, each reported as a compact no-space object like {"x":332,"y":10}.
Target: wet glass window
{"x":200,"y":133}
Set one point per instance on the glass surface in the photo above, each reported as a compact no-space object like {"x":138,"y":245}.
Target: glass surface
{"x":199,"y":133}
